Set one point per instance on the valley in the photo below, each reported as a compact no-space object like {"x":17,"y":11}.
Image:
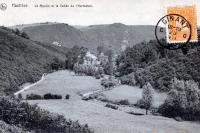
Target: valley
{"x":94,"y":112}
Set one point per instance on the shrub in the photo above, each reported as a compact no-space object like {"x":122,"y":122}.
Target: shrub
{"x":128,"y":79}
{"x":67,"y":96}
{"x":56,"y":64}
{"x":112,"y":106}
{"x":33,"y":97}
{"x":140,"y":104}
{"x":6,"y":128}
{"x":124,"y":102}
{"x":52,"y":96}
{"x":31,"y":117}
{"x":97,"y":76}
{"x":107,"y":83}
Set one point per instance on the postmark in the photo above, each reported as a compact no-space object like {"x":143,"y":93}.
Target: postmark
{"x":173,"y":31}
{"x":178,"y":27}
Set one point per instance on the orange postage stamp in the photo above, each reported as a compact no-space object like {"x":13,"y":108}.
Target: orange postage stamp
{"x":189,"y":13}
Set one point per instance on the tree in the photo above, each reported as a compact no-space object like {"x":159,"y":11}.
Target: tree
{"x":110,"y":62}
{"x":147,"y":96}
{"x":193,"y":99}
{"x":55,"y":65}
{"x":75,"y":55}
{"x":182,"y":100}
{"x":100,"y":49}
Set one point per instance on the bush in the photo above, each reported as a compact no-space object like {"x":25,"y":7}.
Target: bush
{"x":32,"y":117}
{"x":128,"y":79}
{"x":52,"y":96}
{"x":90,"y":70}
{"x":124,"y":102}
{"x":107,"y":83}
{"x":56,"y":64}
{"x":140,"y":103}
{"x":6,"y":128}
{"x":33,"y":97}
{"x":97,"y":76}
{"x":67,"y":96}
{"x":112,"y":106}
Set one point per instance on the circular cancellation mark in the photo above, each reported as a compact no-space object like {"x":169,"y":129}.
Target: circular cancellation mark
{"x":173,"y":31}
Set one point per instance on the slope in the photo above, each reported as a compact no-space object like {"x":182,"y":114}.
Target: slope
{"x":116,"y":35}
{"x":23,"y":60}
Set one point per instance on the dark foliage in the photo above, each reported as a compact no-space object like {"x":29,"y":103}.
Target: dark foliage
{"x":148,"y":62}
{"x":140,"y":104}
{"x":20,"y":96}
{"x":112,"y":106}
{"x":133,"y":113}
{"x":7,"y":128}
{"x":67,"y":96}
{"x":23,"y":60}
{"x":56,"y":64}
{"x":97,"y":76}
{"x":107,"y":83}
{"x":52,"y":96}
{"x":34,"y":97}
{"x":124,"y":102}
{"x":128,"y":79}
{"x":25,"y":35}
{"x":183,"y":101}
{"x":75,"y":55}
{"x":21,"y":114}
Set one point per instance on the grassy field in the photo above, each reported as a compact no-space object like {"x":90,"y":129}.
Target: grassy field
{"x":98,"y":117}
{"x":132,"y":94}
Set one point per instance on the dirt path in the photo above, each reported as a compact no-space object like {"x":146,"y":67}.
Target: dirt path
{"x":26,"y":87}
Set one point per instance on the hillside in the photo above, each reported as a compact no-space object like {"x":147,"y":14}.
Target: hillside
{"x":115,"y":35}
{"x":62,"y":33}
{"x":23,"y":60}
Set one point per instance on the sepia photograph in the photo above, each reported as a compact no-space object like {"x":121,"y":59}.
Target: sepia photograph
{"x":99,"y":66}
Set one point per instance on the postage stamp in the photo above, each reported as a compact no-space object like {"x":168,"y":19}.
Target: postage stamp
{"x":189,"y":13}
{"x":177,"y":28}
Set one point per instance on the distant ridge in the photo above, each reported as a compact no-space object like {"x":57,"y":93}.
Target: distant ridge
{"x":115,"y":35}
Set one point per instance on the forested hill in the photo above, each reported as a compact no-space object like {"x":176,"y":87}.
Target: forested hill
{"x":60,"y":33}
{"x":23,"y":60}
{"x":148,"y":62}
{"x":116,"y":35}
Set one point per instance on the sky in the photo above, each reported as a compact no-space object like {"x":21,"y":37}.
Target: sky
{"x":130,"y":12}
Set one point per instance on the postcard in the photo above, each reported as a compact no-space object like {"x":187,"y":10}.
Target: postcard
{"x":99,"y":66}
